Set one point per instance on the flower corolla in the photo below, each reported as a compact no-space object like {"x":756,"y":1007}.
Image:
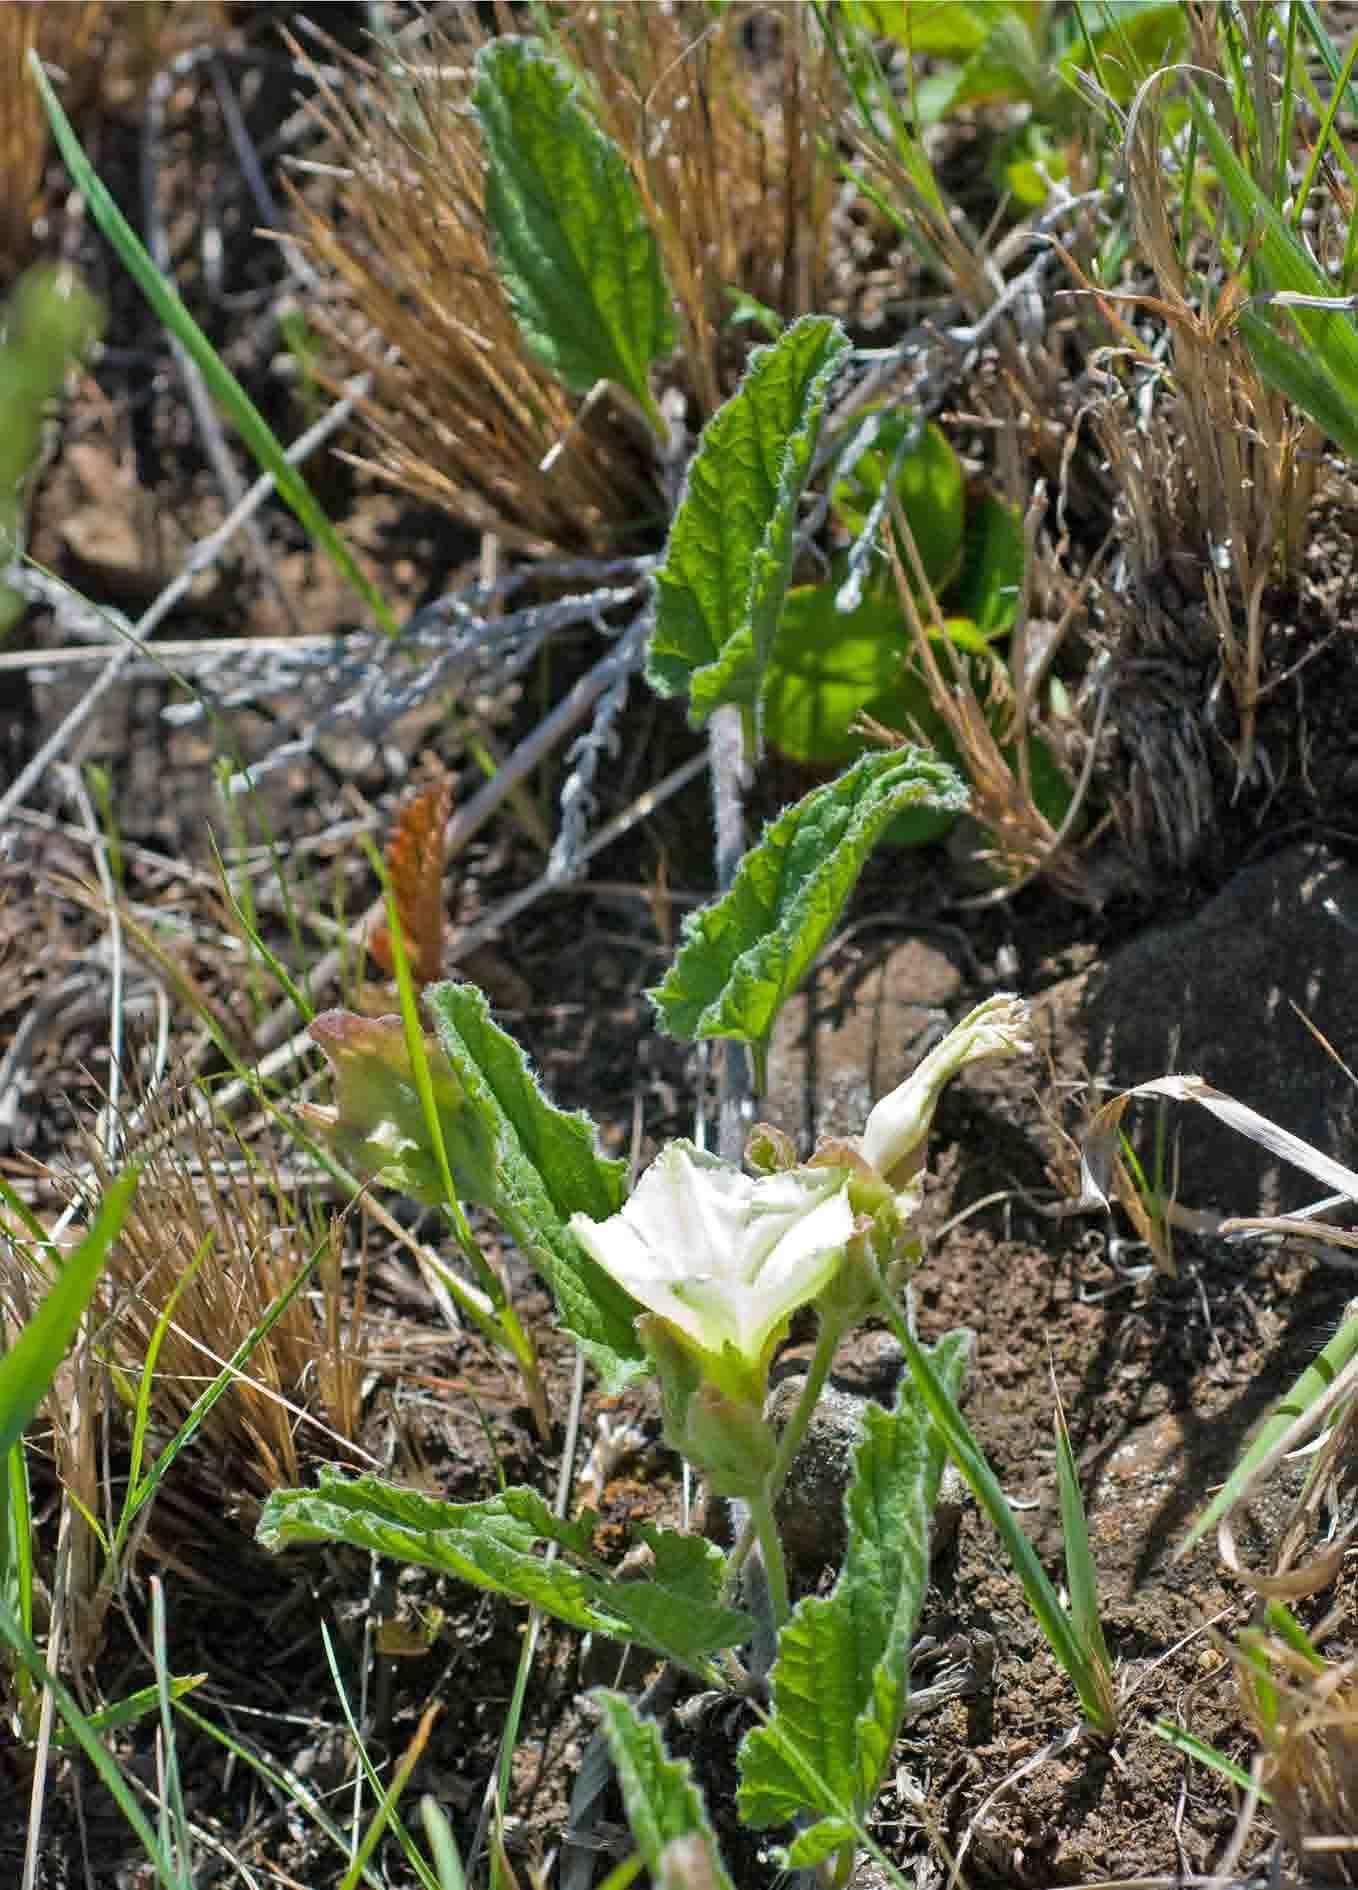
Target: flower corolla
{"x":893,"y":1141}
{"x":724,"y":1258}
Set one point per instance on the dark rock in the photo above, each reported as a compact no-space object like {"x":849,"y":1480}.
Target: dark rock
{"x":1219,"y":997}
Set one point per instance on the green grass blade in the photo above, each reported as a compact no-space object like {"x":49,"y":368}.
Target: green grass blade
{"x":386,"y":1799}
{"x":253,"y":428}
{"x":981,"y":1480}
{"x":1082,"y":1579}
{"x":29,"y":1366}
{"x":438,"y":1835}
{"x":88,"y":1740}
{"x":1314,"y":1381}
{"x":288,"y":1788}
{"x":141,"y":1414}
{"x":1194,"y":1748}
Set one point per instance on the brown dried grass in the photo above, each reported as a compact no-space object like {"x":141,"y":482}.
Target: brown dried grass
{"x":459,"y":413}
{"x":997,"y":767}
{"x":1216,"y":479}
{"x":211,"y":1207}
{"x":103,"y":51}
{"x":1306,"y":1719}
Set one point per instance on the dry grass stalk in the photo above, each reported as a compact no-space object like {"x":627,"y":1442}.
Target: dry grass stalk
{"x":207,"y":1205}
{"x":1003,"y":802}
{"x":1306,"y":1718}
{"x":65,"y":37}
{"x":1218,"y":478}
{"x":460,"y":415}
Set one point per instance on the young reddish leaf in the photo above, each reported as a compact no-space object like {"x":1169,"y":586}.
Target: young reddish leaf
{"x":416,"y":861}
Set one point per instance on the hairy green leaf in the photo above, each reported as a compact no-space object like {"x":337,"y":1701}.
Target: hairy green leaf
{"x":493,"y":1545}
{"x":729,"y":556}
{"x":577,"y":257}
{"x":663,"y":1804}
{"x":538,"y":1165}
{"x":818,"y":1842}
{"x":744,"y":955}
{"x":841,"y":1679}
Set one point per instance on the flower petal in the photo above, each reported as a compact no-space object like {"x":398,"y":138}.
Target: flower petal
{"x":893,"y":1139}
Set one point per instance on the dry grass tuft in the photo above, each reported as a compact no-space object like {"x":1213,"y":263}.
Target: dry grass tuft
{"x":459,"y":413}
{"x":216,"y":1230}
{"x":111,"y":51}
{"x":1306,"y":1718}
{"x":1215,"y":474}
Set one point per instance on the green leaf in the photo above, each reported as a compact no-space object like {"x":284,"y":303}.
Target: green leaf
{"x":50,"y":320}
{"x":535,"y":1166}
{"x":729,"y":556}
{"x":987,"y":591}
{"x":929,"y":485}
{"x":677,"y":1608}
{"x":841,"y":1680}
{"x":559,"y":1143}
{"x":744,"y":955}
{"x":1009,"y":67}
{"x":818,"y":1842}
{"x":663,"y":1804}
{"x":225,"y":389}
{"x":1319,"y":1375}
{"x":1302,"y":376}
{"x":829,"y":664}
{"x":948,"y":27}
{"x":493,"y":1545}
{"x":574,"y":249}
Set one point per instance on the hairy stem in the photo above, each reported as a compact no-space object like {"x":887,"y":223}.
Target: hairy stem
{"x":827,"y":1342}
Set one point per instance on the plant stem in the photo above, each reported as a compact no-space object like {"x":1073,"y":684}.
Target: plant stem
{"x":726,"y":746}
{"x":827,"y":1342}
{"x":775,"y":1568}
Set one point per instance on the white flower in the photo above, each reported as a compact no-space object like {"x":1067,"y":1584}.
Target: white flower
{"x":893,"y":1140}
{"x":723,"y":1258}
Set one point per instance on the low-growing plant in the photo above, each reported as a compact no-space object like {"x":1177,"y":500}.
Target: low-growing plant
{"x":695,"y":1279}
{"x":1026,"y":55}
{"x":512,"y":251}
